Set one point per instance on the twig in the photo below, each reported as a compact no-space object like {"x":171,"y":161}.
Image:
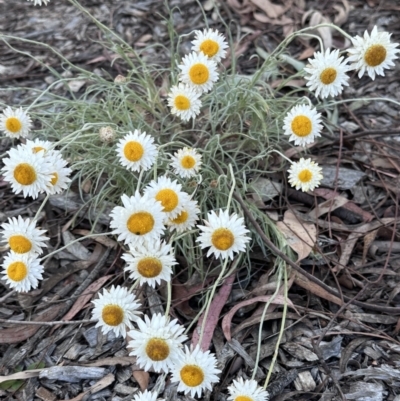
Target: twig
{"x":46,"y":323}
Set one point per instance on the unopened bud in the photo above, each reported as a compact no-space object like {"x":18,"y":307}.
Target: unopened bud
{"x":106,"y":134}
{"x":120,"y":79}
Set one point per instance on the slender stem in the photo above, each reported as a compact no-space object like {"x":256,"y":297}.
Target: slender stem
{"x":47,"y":323}
{"x":233,"y":186}
{"x":279,"y":153}
{"x":41,"y":207}
{"x":169,"y":298}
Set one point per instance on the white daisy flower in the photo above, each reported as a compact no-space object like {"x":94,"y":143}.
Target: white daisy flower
{"x":247,"y":390}
{"x":327,"y":73}
{"x":15,"y":123}
{"x":302,"y":123}
{"x":186,"y":219}
{"x":22,"y":236}
{"x":141,"y":218}
{"x":224,"y":234}
{"x":22,"y":272}
{"x":211,"y":43}
{"x":305,"y":175}
{"x":169,"y":193}
{"x":146,"y":396}
{"x":195,"y":371}
{"x":372,"y":53}
{"x":115,"y":309}
{"x":39,"y":2}
{"x":60,"y":173}
{"x":186,"y":162}
{"x":137,"y":151}
{"x":38,"y":145}
{"x":157,"y":344}
{"x":150,"y":262}
{"x":27,"y":172}
{"x":184,"y":101}
{"x":198,"y":71}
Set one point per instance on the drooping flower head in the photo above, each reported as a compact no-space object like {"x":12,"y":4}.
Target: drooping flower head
{"x":186,"y":219}
{"x":372,"y":53}
{"x":150,"y":262}
{"x":327,"y":73}
{"x":302,"y":123}
{"x":115,"y":309}
{"x":60,"y":174}
{"x":247,"y":390}
{"x":140,"y":219}
{"x":22,"y":236}
{"x":169,"y":193}
{"x":305,"y":175}
{"x":15,"y":123}
{"x":195,"y":371}
{"x":211,"y":43}
{"x":28,"y":172}
{"x":157,"y":343}
{"x":225,"y":234}
{"x":198,"y":71}
{"x":22,"y":272}
{"x":186,"y":162}
{"x":137,"y":151}
{"x":184,"y":101}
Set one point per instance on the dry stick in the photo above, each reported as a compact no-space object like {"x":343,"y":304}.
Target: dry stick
{"x":46,"y":323}
{"x":279,"y":253}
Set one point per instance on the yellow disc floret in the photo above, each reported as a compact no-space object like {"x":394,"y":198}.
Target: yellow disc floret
{"x":222,"y":239}
{"x":301,"y":126}
{"x":199,"y":74}
{"x":182,"y":102}
{"x":37,"y":149}
{"x":168,"y":198}
{"x":157,"y":349}
{"x":192,"y":375}
{"x":140,"y":223}
{"x":133,"y":151}
{"x":328,"y":75}
{"x":188,"y":161}
{"x":20,"y":244}
{"x":113,"y":315}
{"x":305,"y":175}
{"x":375,"y":55}
{"x":17,"y":271}
{"x":54,"y":179}
{"x":149,"y":267}
{"x":209,"y":47}
{"x":13,"y":124}
{"x":181,"y":218}
{"x":243,"y":398}
{"x":25,"y":174}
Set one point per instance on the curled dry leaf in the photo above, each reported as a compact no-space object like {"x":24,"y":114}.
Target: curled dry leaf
{"x":226,"y":321}
{"x":316,"y":18}
{"x":300,"y":236}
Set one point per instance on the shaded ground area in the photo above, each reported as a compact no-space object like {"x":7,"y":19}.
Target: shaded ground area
{"x":342,"y":335}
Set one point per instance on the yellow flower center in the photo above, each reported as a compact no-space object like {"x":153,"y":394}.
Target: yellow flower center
{"x":157,"y":349}
{"x":199,"y":73}
{"x":17,"y":271}
{"x":37,"y":149}
{"x":20,"y":244}
{"x":328,"y":75}
{"x":133,"y":151}
{"x":113,"y":315}
{"x":305,"y":175}
{"x":54,"y":180}
{"x":188,"y":161}
{"x":375,"y":55}
{"x":301,"y":126}
{"x":13,"y":124}
{"x":192,"y":375}
{"x":222,"y":239}
{"x":149,"y":267}
{"x":243,"y":398}
{"x":182,"y":102}
{"x":140,"y":223}
{"x":181,"y":218}
{"x":25,"y":174}
{"x":168,"y":198}
{"x":209,"y":47}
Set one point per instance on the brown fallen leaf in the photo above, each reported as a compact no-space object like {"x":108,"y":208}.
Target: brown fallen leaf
{"x":102,"y":383}
{"x":300,"y":236}
{"x":142,"y":378}
{"x":112,"y":361}
{"x":21,"y":375}
{"x":226,"y":321}
{"x":217,"y":304}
